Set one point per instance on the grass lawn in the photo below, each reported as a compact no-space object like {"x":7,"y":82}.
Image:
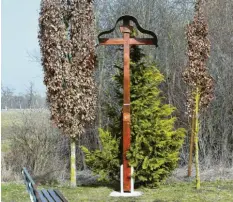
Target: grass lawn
{"x":210,"y":191}
{"x":8,"y":119}
{"x":15,"y":117}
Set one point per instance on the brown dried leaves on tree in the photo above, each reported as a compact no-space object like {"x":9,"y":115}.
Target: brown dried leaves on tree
{"x":67,"y":45}
{"x":198,"y":53}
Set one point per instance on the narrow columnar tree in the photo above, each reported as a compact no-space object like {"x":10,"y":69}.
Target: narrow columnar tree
{"x":200,"y":83}
{"x":67,"y":46}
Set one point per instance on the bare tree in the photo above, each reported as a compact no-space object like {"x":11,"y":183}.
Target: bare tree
{"x":31,"y":95}
{"x":6,"y":97}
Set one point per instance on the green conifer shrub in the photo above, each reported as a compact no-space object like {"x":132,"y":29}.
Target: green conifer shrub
{"x":155,"y":142}
{"x":105,"y":162}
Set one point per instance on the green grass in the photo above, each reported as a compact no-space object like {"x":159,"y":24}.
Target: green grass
{"x":14,"y":192}
{"x":5,"y":145}
{"x":13,"y":116}
{"x":177,"y":192}
{"x":9,"y":119}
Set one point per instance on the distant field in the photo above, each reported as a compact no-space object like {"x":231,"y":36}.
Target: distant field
{"x":8,"y":119}
{"x":178,"y":192}
{"x":11,"y":117}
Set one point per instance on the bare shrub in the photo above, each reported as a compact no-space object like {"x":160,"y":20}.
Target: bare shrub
{"x":37,"y":145}
{"x":7,"y":173}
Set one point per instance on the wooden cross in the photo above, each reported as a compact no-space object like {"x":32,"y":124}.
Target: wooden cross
{"x":126,"y":41}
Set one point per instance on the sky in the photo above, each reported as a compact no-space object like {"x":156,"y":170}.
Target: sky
{"x":19,"y":30}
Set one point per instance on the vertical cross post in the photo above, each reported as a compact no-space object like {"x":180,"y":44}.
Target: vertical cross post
{"x":126,"y":29}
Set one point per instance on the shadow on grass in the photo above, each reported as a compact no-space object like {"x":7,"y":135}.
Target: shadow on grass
{"x":87,"y":179}
{"x":114,"y":185}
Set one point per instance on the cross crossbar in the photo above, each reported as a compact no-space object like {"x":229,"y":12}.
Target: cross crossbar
{"x":132,"y":41}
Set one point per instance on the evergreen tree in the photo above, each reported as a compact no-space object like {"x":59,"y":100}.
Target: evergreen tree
{"x":155,"y":143}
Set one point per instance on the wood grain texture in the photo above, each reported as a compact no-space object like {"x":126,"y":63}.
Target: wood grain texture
{"x":126,"y":113}
{"x":132,"y":41}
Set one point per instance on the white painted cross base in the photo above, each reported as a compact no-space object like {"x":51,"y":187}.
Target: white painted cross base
{"x":132,"y":193}
{"x":126,"y":194}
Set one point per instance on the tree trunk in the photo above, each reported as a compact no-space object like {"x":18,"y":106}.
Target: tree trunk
{"x":197,"y":100}
{"x":191,"y":145}
{"x":73,"y":162}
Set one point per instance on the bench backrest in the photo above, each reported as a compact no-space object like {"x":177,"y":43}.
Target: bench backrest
{"x":31,"y":186}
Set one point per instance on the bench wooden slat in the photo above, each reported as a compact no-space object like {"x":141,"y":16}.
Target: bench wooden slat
{"x":54,"y":195}
{"x":42,"y":198}
{"x":47,"y":196}
{"x":60,"y":195}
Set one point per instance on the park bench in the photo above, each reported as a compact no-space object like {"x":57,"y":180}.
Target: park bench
{"x":43,"y":195}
